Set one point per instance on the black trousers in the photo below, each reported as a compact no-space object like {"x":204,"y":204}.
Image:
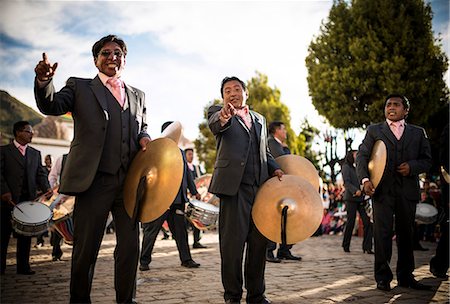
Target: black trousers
{"x":55,"y":241}
{"x":90,"y":214}
{"x":177,"y":225}
{"x":351,"y":208}
{"x":23,"y":242}
{"x":236,"y":233}
{"x":384,"y":208}
{"x":440,"y":261}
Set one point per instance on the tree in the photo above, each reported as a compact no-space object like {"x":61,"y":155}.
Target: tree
{"x":262,"y":99}
{"x":370,"y":48}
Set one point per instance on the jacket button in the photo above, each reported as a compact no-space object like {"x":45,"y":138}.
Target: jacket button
{"x":242,"y":163}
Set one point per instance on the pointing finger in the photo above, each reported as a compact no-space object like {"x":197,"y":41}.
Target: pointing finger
{"x":44,"y":57}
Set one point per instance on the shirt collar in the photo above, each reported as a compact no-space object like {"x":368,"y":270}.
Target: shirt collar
{"x":400,"y":123}
{"x":18,"y":145}
{"x":104,"y":78}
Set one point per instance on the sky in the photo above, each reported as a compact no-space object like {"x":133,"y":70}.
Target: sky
{"x":178,"y":51}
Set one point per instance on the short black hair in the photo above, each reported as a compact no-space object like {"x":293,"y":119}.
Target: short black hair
{"x":227,"y":79}
{"x":274,"y":125}
{"x":110,"y":38}
{"x":188,"y":149}
{"x":165,"y":125}
{"x":19,"y":126}
{"x":405,"y":100}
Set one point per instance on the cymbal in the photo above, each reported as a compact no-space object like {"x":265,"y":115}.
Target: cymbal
{"x":304,"y":213}
{"x":173,"y":131}
{"x":300,"y":166}
{"x":377,"y":162}
{"x":162,"y":166}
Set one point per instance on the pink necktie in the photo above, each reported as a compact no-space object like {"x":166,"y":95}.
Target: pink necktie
{"x":116,"y":87}
{"x":244,"y":114}
{"x":396,"y":129}
{"x":22,"y":150}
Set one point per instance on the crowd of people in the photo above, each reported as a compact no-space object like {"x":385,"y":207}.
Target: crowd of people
{"x":110,"y":128}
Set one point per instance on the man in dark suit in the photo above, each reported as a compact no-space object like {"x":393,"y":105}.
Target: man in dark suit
{"x":195,"y":172}
{"x":243,"y":164}
{"x":176,"y":220}
{"x":110,"y":127}
{"x":277,"y":146}
{"x":22,"y":175}
{"x":408,"y":155}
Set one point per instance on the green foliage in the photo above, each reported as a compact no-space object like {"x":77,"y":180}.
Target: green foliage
{"x":369,"y":49}
{"x":11,"y":111}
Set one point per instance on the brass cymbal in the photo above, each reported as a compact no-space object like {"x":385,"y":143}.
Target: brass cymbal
{"x":162,"y":165}
{"x":173,"y":131}
{"x":300,"y":166}
{"x":304,"y":213}
{"x":377,"y":162}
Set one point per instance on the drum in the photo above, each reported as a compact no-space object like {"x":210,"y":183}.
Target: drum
{"x":426,"y":213}
{"x":202,"y":185}
{"x":62,"y":217}
{"x":30,"y":218}
{"x":202,"y":215}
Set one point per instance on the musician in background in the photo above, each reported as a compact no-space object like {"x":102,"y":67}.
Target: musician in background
{"x":176,"y":220}
{"x":53,"y":179}
{"x":195,"y":171}
{"x":243,"y":164}
{"x":277,"y":146}
{"x":22,"y":175}
{"x":440,"y":262}
{"x":408,"y":155}
{"x":354,"y":201}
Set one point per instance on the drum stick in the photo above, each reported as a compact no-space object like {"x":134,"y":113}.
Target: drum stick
{"x":15,"y":205}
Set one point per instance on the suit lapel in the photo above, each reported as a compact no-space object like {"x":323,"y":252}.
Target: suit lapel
{"x":16,"y":154}
{"x":99,"y":91}
{"x":132,"y":100}
{"x":258,"y":126}
{"x":388,"y":133}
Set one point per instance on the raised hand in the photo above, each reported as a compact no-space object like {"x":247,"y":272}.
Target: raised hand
{"x":44,"y":70}
{"x":227,"y":112}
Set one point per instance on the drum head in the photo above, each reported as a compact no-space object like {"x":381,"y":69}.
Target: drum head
{"x":31,"y":213}
{"x":205,"y":206}
{"x":426,"y":210}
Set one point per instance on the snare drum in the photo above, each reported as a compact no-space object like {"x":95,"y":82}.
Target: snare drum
{"x":426,"y":213}
{"x":30,"y":218}
{"x":62,"y":217}
{"x":202,"y":215}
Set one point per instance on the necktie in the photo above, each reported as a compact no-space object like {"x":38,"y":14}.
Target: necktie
{"x":22,"y":150}
{"x":396,"y":129}
{"x":245,"y":115}
{"x":116,"y":89}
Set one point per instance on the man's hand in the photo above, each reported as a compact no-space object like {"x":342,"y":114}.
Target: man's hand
{"x":278,"y":173}
{"x":404,"y":169}
{"x":226,"y":113}
{"x":44,"y":70}
{"x":369,"y":189}
{"x":198,"y":196}
{"x":48,"y":195}
{"x":143,"y":143}
{"x":357,"y":193}
{"x":7,"y":197}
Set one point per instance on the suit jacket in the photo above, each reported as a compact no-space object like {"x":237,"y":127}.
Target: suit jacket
{"x":416,"y":152}
{"x":186,"y":183}
{"x":277,"y":149}
{"x":351,"y":183}
{"x":86,"y":100}
{"x":233,"y":146}
{"x":12,"y":169}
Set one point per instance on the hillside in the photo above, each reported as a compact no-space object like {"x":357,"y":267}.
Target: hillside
{"x":12,"y":110}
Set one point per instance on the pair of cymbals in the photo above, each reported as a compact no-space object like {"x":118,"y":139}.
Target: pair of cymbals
{"x":153,"y":180}
{"x":377,"y":162}
{"x":298,"y":194}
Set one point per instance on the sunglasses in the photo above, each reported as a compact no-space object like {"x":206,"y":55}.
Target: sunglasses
{"x":107,"y":53}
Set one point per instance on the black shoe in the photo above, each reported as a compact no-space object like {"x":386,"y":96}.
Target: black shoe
{"x":230,"y":301}
{"x":144,"y":267}
{"x":383,"y":285}
{"x":437,"y":273}
{"x":413,"y":284}
{"x":26,"y":272}
{"x":288,"y":256}
{"x":198,"y":245}
{"x":271,"y":258}
{"x":264,"y":301}
{"x":346,"y":249}
{"x":190,"y":264}
{"x":369,"y":251}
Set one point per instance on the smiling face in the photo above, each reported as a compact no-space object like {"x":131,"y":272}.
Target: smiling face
{"x":234,"y":93}
{"x":394,"y":109}
{"x":110,"y":60}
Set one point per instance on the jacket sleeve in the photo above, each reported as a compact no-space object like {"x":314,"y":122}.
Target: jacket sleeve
{"x":50,"y":102}
{"x":214,"y":120}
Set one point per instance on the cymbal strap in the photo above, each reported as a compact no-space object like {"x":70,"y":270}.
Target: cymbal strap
{"x":284,"y":224}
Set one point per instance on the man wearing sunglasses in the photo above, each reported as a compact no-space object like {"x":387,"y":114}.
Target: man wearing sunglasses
{"x":110,"y":127}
